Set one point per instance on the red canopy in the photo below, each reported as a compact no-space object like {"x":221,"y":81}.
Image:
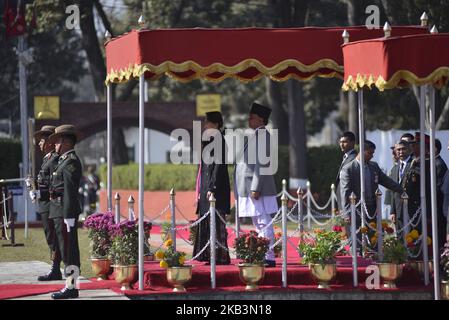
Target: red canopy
{"x":245,"y":54}
{"x":397,"y":62}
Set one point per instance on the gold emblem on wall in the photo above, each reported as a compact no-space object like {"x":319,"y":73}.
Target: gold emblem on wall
{"x":46,"y":107}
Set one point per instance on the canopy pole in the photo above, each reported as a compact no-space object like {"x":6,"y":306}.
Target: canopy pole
{"x":433,"y":193}
{"x":141,"y":175}
{"x":109,"y":147}
{"x":362,"y":163}
{"x":422,"y":175}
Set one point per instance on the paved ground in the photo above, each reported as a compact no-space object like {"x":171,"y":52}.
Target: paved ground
{"x":26,"y":272}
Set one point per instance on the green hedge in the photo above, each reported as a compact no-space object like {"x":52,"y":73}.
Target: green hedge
{"x":322,"y":163}
{"x":10,"y":157}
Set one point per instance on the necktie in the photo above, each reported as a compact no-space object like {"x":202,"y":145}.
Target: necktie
{"x":401,"y":170}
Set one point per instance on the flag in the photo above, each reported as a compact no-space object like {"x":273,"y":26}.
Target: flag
{"x":14,"y":18}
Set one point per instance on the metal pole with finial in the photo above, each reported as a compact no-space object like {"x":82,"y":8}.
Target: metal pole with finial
{"x":387,"y":30}
{"x":300,"y":194}
{"x":173,"y":217}
{"x":131,"y":215}
{"x":405,"y":216}
{"x":424,"y":19}
{"x":284,"y":200}
{"x":333,"y":200}
{"x":345,"y":36}
{"x":309,"y":204}
{"x":213,"y":240}
{"x":379,"y":224}
{"x":117,"y":207}
{"x":142,"y":22}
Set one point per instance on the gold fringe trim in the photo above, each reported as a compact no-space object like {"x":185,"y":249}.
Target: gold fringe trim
{"x":171,"y":69}
{"x":438,"y":78}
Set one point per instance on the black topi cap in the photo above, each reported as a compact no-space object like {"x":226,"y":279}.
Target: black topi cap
{"x":260,"y":110}
{"x":215,"y":117}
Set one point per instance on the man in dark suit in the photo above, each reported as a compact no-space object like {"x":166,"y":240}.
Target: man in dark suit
{"x":65,"y":207}
{"x":347,"y":144}
{"x":398,"y":173}
{"x":350,"y":180}
{"x":41,"y":193}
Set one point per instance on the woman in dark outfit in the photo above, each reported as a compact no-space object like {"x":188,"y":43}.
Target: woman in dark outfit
{"x":213,"y":178}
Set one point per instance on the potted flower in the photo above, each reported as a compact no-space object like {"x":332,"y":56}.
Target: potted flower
{"x":394,"y":256}
{"x":445,"y":278}
{"x":251,"y":249}
{"x":124,"y":251}
{"x":278,"y":247}
{"x":319,"y":250}
{"x":178,"y":273}
{"x":98,"y":226}
{"x":414,"y":246}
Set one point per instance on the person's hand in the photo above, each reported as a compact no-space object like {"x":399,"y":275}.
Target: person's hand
{"x":393,"y":217}
{"x":70,"y":223}
{"x":29,"y":182}
{"x":33,"y":195}
{"x":255,"y":195}
{"x":209,"y":193}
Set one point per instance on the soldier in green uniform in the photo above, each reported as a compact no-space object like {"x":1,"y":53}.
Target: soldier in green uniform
{"x":64,"y":206}
{"x":42,"y":194}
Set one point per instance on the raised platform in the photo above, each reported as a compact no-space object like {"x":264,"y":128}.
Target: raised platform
{"x":300,"y":284}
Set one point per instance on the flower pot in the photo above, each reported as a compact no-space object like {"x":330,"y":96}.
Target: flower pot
{"x":126,"y":275}
{"x":323,"y":274}
{"x":419,"y":267}
{"x":444,"y":289}
{"x":178,"y":276}
{"x":251,"y":274}
{"x":100,"y":266}
{"x":390,"y":272}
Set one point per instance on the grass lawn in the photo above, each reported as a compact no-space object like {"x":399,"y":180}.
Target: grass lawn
{"x":36,"y":249}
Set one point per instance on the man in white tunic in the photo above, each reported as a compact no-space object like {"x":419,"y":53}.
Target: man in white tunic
{"x":254,"y":184}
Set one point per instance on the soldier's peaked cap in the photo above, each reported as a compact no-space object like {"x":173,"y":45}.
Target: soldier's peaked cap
{"x":45,"y":131}
{"x":65,"y":130}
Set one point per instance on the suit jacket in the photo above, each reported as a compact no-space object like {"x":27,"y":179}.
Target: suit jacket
{"x":350,"y":181}
{"x":64,"y":185}
{"x":396,"y":203}
{"x":248,"y":176}
{"x":351,"y":156}
{"x":49,"y":163}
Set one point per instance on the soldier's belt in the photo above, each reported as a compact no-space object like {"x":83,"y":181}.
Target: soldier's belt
{"x":56,"y":199}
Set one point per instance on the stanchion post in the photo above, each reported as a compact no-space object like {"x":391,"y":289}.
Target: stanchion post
{"x":354,"y":240}
{"x":405,"y":216}
{"x":300,"y":194}
{"x":333,"y":200}
{"x":117,"y":208}
{"x":131,"y":215}
{"x":309,"y":204}
{"x":284,"y":200}
{"x":237,"y":220}
{"x":173,"y":217}
{"x":213,"y":240}
{"x":380,"y":234}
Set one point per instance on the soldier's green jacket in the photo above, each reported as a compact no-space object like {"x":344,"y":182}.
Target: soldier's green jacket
{"x":49,"y":163}
{"x":64,"y":186}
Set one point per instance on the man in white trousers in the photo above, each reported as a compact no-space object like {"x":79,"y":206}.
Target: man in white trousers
{"x":254,"y":181}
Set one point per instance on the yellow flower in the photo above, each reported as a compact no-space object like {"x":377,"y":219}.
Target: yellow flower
{"x":318,"y":230}
{"x":374,"y":240}
{"x":373,"y":225}
{"x":160,"y":255}
{"x":163,"y":264}
{"x":429,"y":241}
{"x":409,"y":239}
{"x":168,"y":243}
{"x":364,"y":229}
{"x":182,"y":259}
{"x":414,"y":234}
{"x":384,"y":224}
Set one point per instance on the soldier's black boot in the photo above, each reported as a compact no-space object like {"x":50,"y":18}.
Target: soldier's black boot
{"x":65,"y":293}
{"x":54,"y":274}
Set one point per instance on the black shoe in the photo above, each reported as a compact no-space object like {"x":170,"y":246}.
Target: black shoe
{"x":51,"y":276}
{"x":270,"y":264}
{"x":65,"y":293}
